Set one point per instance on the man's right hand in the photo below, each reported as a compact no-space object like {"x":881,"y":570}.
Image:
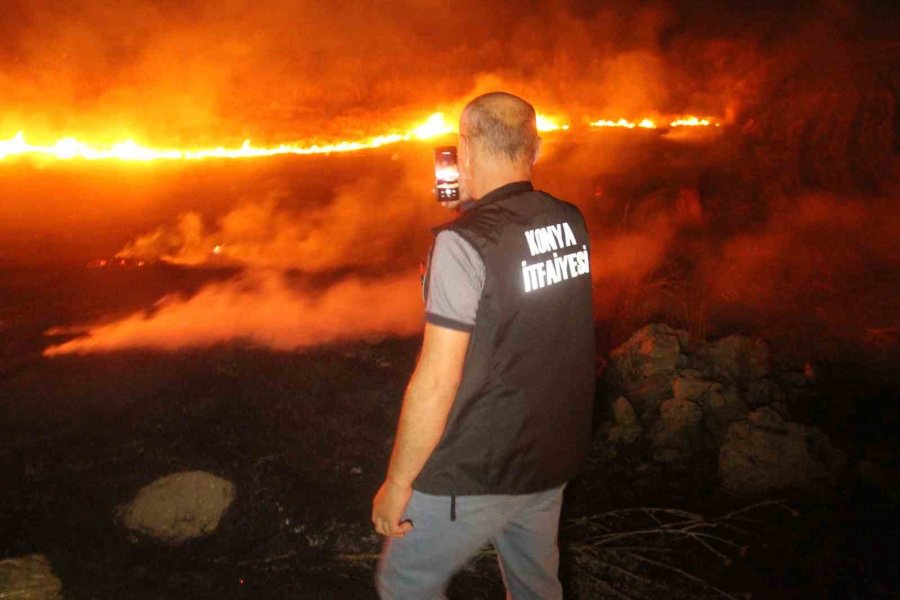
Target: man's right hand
{"x":388,"y":507}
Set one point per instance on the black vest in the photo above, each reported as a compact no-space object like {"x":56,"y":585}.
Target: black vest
{"x":521,"y":420}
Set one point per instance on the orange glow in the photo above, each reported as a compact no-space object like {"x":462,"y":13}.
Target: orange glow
{"x":436,"y":125}
{"x":548,"y":123}
{"x":625,"y":123}
{"x":70,"y":148}
{"x":691,"y":121}
{"x":609,"y":123}
{"x":686,"y":121}
{"x":262,"y":307}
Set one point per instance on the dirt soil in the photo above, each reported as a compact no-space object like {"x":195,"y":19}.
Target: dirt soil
{"x":306,"y":437}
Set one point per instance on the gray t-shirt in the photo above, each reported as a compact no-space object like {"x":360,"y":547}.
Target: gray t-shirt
{"x":455,"y":282}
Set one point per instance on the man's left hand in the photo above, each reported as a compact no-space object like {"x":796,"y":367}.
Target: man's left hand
{"x":388,"y":507}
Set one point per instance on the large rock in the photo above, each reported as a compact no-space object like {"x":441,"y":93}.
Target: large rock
{"x":625,"y":428}
{"x":721,"y":405}
{"x":735,"y":358}
{"x":692,"y":388}
{"x":28,"y":578}
{"x":623,"y":413}
{"x":644,"y":366}
{"x":677,"y":434}
{"x":764,"y":392}
{"x":178,"y":507}
{"x":764,"y":454}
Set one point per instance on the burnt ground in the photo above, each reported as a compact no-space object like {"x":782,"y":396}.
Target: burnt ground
{"x":306,"y":437}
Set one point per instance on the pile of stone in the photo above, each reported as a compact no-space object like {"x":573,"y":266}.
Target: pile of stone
{"x":690,"y":400}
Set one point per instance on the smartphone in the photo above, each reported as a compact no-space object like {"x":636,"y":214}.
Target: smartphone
{"x":446,"y":174}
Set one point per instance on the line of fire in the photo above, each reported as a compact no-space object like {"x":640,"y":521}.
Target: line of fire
{"x":69,"y":148}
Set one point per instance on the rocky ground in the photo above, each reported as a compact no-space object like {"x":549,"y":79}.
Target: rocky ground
{"x":710,"y":477}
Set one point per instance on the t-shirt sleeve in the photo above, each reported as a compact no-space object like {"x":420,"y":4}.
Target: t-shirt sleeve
{"x":455,"y":282}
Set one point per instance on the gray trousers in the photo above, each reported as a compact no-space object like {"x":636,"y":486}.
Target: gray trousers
{"x":521,"y":527}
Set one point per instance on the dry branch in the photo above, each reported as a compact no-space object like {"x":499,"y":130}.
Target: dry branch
{"x":646,"y":552}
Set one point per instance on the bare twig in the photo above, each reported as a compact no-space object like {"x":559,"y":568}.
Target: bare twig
{"x":603,"y":540}
{"x":682,"y":573}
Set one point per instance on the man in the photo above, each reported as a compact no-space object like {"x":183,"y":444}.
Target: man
{"x":496,"y":418}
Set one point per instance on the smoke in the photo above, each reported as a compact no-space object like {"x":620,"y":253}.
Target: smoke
{"x":659,"y":249}
{"x":260,"y":308}
{"x":372,"y":222}
{"x":715,"y":235}
{"x":820,"y":271}
{"x":204,"y":71}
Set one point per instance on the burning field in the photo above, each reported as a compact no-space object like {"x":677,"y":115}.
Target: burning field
{"x":211,"y":227}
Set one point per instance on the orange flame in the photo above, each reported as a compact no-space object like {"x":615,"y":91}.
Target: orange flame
{"x":548,"y":123}
{"x":644,"y":124}
{"x":686,"y":121}
{"x":70,"y":148}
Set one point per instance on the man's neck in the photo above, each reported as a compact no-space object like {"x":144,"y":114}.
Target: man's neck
{"x":496,"y":180}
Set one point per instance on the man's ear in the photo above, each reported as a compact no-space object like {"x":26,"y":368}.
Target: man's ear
{"x":465,"y":155}
{"x":537,"y":150}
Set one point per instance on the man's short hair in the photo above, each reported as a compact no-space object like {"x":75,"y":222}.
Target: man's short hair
{"x":502,"y":123}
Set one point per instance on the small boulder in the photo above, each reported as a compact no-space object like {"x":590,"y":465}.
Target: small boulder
{"x":655,"y":349}
{"x":680,"y":415}
{"x":178,"y":507}
{"x":692,"y":373}
{"x":645,"y":395}
{"x":763,"y":455}
{"x":624,"y":434}
{"x":692,"y":388}
{"x":625,"y":428}
{"x":623,"y":413}
{"x":722,"y":406}
{"x":677,"y":434}
{"x":28,"y":578}
{"x":736,"y":358}
{"x":763,"y":392}
{"x":768,"y":418}
{"x":643,"y":368}
{"x":782,"y":409}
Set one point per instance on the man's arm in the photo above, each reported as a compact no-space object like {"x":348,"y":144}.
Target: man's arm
{"x":426,"y":404}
